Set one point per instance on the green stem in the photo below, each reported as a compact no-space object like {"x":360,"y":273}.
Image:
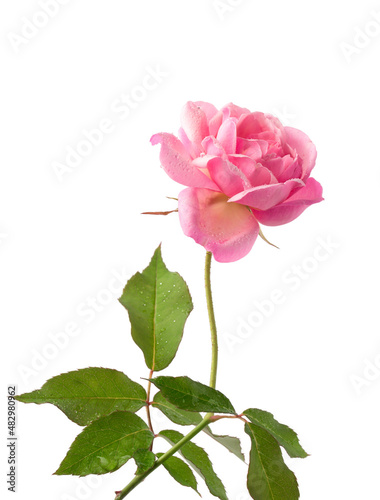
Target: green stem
{"x":211,"y":317}
{"x":210,"y":416}
{"x":138,"y":479}
{"x":148,"y":403}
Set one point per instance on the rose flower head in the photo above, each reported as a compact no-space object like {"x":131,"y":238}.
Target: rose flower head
{"x":242,"y":169}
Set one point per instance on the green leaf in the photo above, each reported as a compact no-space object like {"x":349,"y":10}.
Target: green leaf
{"x":285,"y":436}
{"x":187,"y":394}
{"x":144,"y":460}
{"x":268,"y":476}
{"x":231,"y":443}
{"x":106,"y":444}
{"x":180,"y":417}
{"x":199,"y":460}
{"x":184,"y":417}
{"x":87,"y":394}
{"x":158,"y":303}
{"x":180,"y":471}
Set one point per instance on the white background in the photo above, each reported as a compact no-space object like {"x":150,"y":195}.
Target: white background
{"x":62,"y":241}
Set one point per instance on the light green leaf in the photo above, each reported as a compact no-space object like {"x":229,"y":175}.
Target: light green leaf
{"x":187,"y":394}
{"x":285,"y":436}
{"x":231,"y":443}
{"x":180,"y":471}
{"x":180,"y":417}
{"x":106,"y":444}
{"x":268,"y":476}
{"x":144,"y":460}
{"x":158,"y":303}
{"x":87,"y":394}
{"x":199,"y":461}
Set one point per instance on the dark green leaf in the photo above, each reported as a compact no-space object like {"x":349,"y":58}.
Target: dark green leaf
{"x":285,"y":436}
{"x":144,"y":460}
{"x":158,"y":303}
{"x":231,"y":443}
{"x":187,"y":394}
{"x":106,"y":444}
{"x":87,"y":394}
{"x":184,"y":417}
{"x":180,"y":417}
{"x":268,"y":476}
{"x":199,"y":460}
{"x":180,"y":471}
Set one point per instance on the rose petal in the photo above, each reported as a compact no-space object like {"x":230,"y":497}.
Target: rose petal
{"x":251,"y":147}
{"x":202,"y":161}
{"x":258,"y":125}
{"x":266,"y":197}
{"x":233,"y":111}
{"x":227,"y":136}
{"x":215,"y":123}
{"x":284,"y":168}
{"x":227,"y":176}
{"x":194,"y":123}
{"x":212,"y":146}
{"x":262,"y":176}
{"x":228,"y":230}
{"x":209,"y":109}
{"x":293,"y":170}
{"x":293,"y":207}
{"x":189,"y":146}
{"x":256,"y":174}
{"x":301,"y":143}
{"x":177,"y":163}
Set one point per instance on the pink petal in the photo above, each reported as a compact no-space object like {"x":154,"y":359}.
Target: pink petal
{"x":194,"y":123}
{"x":252,"y":125}
{"x":215,"y":123}
{"x":262,"y":176}
{"x":233,"y":111}
{"x":251,"y":147}
{"x":292,"y":170}
{"x":293,"y":207}
{"x":260,"y":126}
{"x":227,"y":176}
{"x":212,"y":146}
{"x":256,"y":174}
{"x":227,"y":136}
{"x":228,"y":230}
{"x":268,"y":196}
{"x":189,"y":146}
{"x":209,"y":109}
{"x":284,"y":168}
{"x":301,"y":143}
{"x":177,"y":163}
{"x":202,"y":161}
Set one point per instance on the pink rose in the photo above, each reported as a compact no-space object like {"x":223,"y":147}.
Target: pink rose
{"x":241,"y":169}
